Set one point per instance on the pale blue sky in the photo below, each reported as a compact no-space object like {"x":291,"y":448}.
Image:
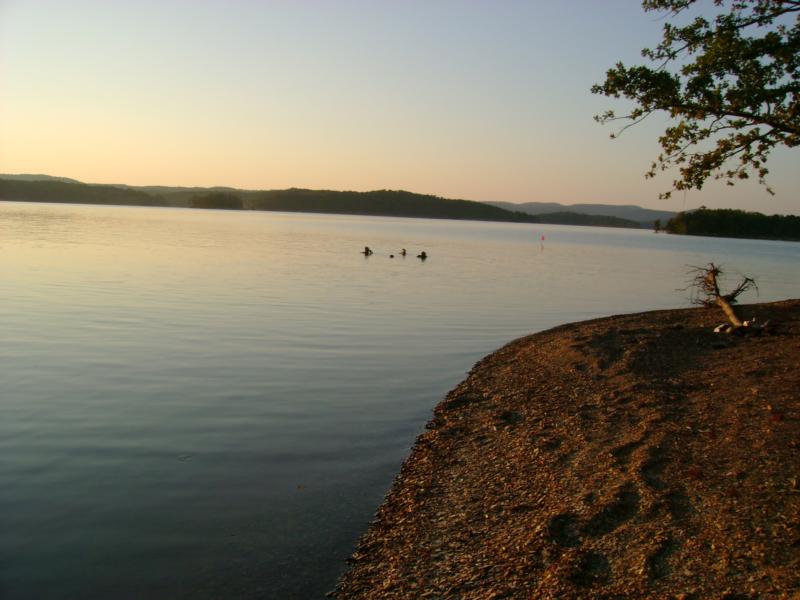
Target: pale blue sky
{"x":479,"y":100}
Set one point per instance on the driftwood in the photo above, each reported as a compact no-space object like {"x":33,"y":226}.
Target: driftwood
{"x":705,"y":290}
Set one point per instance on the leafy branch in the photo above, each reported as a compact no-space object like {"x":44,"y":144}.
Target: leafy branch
{"x":731,"y":84}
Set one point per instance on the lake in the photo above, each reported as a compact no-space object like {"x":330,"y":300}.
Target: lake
{"x":208,"y":404}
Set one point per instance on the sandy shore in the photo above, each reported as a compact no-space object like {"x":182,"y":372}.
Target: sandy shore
{"x":637,"y":456}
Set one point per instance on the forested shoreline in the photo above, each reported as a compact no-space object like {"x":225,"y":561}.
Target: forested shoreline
{"x":727,"y":222}
{"x":388,"y":203}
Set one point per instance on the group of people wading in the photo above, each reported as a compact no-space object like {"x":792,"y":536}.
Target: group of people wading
{"x":368,"y":252}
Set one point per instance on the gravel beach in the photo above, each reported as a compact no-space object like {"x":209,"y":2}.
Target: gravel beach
{"x":635,"y":456}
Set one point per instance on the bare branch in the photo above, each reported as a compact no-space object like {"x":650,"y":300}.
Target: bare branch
{"x":704,"y":290}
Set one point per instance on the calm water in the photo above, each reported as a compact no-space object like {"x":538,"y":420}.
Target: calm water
{"x":204,"y":404}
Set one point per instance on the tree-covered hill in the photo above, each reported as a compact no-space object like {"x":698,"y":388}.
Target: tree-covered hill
{"x":76,"y":193}
{"x":218,"y":200}
{"x":381,"y":202}
{"x":573,"y":218}
{"x":727,"y":222}
{"x":389,"y":203}
{"x":38,"y":177}
{"x":630,"y":212}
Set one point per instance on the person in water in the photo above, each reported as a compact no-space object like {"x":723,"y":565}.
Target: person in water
{"x":403,"y":252}
{"x":422,"y":255}
{"x":367,"y":251}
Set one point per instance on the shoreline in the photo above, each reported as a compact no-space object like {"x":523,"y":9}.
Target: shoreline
{"x":630,"y":456}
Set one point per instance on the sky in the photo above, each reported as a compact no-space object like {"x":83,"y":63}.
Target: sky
{"x":480,"y":100}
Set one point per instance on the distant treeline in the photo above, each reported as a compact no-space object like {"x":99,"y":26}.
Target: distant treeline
{"x":389,"y":203}
{"x":223,"y":200}
{"x":726,"y":222}
{"x":572,"y":218}
{"x":75,"y":193}
{"x":383,"y":202}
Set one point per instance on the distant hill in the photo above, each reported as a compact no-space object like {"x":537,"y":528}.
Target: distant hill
{"x":629,"y":211}
{"x":165,"y":189}
{"x":218,"y":200}
{"x":150,"y":189}
{"x":728,"y":222}
{"x":573,"y":218}
{"x":38,"y":177}
{"x":55,"y":190}
{"x":382,"y":202}
{"x":390,"y":203}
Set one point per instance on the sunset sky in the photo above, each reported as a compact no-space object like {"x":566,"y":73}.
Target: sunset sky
{"x":482,"y":100}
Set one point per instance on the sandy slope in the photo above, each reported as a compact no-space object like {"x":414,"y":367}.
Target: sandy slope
{"x":637,"y":456}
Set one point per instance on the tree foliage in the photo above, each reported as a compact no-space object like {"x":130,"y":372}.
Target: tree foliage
{"x":52,"y":190}
{"x":730,"y":82}
{"x":390,"y":203}
{"x":218,"y":200}
{"x":727,"y":222}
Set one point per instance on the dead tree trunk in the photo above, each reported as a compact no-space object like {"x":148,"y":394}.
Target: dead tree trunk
{"x":729,"y":312}
{"x":711,"y":288}
{"x":706,"y":292}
